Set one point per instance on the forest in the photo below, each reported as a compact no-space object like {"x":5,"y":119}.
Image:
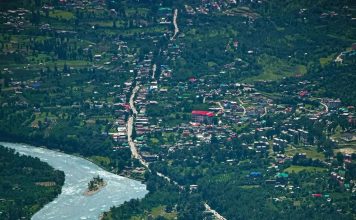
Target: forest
{"x":26,"y":184}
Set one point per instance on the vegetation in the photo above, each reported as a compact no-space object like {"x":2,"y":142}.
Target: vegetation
{"x":268,"y":70}
{"x":26,"y":184}
{"x":95,"y":184}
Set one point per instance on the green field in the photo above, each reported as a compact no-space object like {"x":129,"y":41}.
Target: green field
{"x":275,"y":68}
{"x":297,"y":169}
{"x":311,"y":153}
{"x":66,"y":15}
{"x":156,"y":212}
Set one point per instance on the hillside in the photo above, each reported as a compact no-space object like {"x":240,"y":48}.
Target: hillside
{"x":214,"y":104}
{"x":26,"y":184}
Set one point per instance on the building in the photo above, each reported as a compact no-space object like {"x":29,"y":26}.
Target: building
{"x":202,"y":116}
{"x":332,"y":103}
{"x":303,"y":136}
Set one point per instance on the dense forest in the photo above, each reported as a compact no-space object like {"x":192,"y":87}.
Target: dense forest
{"x":26,"y":184}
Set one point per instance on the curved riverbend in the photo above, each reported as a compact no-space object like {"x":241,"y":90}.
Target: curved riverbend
{"x":71,"y":203}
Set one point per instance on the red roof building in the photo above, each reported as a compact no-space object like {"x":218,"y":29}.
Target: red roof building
{"x":303,"y":93}
{"x":317,"y":195}
{"x":202,"y":116}
{"x":203,"y":113}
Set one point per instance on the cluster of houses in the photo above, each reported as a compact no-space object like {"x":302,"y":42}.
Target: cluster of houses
{"x":16,"y":19}
{"x":209,"y":6}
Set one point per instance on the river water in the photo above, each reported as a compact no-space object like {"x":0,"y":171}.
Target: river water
{"x":71,"y":203}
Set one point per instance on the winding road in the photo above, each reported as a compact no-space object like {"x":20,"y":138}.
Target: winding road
{"x":265,"y":113}
{"x":325,"y":106}
{"x":132,"y":99}
{"x":176,"y":29}
{"x":133,"y":148}
{"x":222,"y":109}
{"x":154,"y":68}
{"x":130,"y":125}
{"x":241,"y":103}
{"x":215,"y":213}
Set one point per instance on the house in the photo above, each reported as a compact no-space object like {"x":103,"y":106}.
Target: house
{"x":282,"y":178}
{"x":255,"y":174}
{"x":202,"y":116}
{"x":332,"y":103}
{"x":317,"y":195}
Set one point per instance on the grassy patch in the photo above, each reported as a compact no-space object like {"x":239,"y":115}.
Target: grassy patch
{"x":211,"y":64}
{"x":311,"y":153}
{"x":154,"y":141}
{"x":60,"y":14}
{"x":275,"y":68}
{"x":222,"y":178}
{"x":42,"y":117}
{"x":326,"y":60}
{"x":297,"y":169}
{"x":350,"y":149}
{"x":341,"y":38}
{"x":156,"y":212}
{"x":130,"y":12}
{"x":249,"y":186}
{"x":71,"y":63}
{"x":147,"y":30}
{"x":103,"y":161}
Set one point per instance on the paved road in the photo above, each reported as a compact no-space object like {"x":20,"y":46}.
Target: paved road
{"x":215,"y":213}
{"x":132,"y":144}
{"x":222,"y":110}
{"x":265,"y":113}
{"x":338,"y":58}
{"x":242,"y":105}
{"x":176,"y":29}
{"x":132,"y":97}
{"x":154,"y":67}
{"x":130,"y":125}
{"x":325,"y":106}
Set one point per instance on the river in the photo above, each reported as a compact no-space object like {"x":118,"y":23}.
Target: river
{"x":71,"y":203}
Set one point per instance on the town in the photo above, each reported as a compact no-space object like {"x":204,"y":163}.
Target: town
{"x":191,"y":99}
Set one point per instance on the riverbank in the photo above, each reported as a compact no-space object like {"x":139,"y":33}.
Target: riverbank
{"x":32,"y":143}
{"x":71,"y":203}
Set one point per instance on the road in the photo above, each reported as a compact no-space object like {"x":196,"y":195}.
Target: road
{"x":132,"y":144}
{"x":215,"y":213}
{"x":325,"y":106}
{"x":242,"y":105}
{"x":154,"y":67}
{"x":132,"y":99}
{"x":176,"y":29}
{"x":134,"y":151}
{"x":221,"y":111}
{"x":130,"y":125}
{"x":339,"y":58}
{"x":169,"y":180}
{"x":265,"y":113}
